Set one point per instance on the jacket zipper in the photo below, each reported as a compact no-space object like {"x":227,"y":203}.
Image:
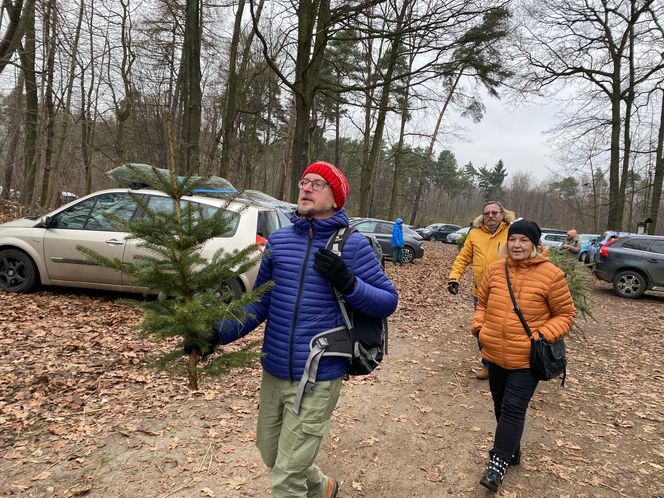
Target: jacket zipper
{"x":297,"y":302}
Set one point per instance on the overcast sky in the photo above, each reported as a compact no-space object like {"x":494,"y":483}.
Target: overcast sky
{"x":515,"y":135}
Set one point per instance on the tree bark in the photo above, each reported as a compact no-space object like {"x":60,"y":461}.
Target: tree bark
{"x":659,"y":174}
{"x":191,"y":90}
{"x":27,"y":57}
{"x":13,"y":136}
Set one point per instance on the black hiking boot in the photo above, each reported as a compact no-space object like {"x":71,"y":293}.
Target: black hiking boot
{"x":495,"y":471}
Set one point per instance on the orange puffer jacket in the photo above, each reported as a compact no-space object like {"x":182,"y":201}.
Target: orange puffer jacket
{"x":541,"y":292}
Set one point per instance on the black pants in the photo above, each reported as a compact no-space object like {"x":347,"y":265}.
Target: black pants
{"x":511,"y":391}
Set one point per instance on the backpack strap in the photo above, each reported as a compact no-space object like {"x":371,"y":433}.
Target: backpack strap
{"x":333,"y":342}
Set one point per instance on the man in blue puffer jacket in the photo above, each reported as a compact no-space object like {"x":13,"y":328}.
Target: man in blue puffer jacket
{"x":300,"y":305}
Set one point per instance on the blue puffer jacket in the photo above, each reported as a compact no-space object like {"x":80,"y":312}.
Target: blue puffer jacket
{"x":301,"y":304}
{"x":397,"y":234}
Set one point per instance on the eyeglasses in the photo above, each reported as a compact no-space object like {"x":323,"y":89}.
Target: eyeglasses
{"x":492,"y":213}
{"x":316,"y":185}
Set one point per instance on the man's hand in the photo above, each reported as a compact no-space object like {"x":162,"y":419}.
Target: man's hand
{"x":333,"y":268}
{"x":203,"y":345}
{"x":453,"y":287}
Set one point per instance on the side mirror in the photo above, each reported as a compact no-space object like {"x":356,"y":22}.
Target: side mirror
{"x":46,"y":221}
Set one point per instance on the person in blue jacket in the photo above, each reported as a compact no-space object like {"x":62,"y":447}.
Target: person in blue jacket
{"x":300,"y":305}
{"x":397,"y":242}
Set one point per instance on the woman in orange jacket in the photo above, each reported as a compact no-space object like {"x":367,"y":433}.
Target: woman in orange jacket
{"x":542,"y":293}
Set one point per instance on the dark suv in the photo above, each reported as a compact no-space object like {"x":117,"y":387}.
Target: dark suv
{"x":633,"y":264}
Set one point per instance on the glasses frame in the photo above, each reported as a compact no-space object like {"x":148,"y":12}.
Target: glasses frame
{"x":305,"y":181}
{"x":494,"y":213}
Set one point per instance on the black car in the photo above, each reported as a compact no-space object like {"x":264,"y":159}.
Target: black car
{"x":382,"y":230}
{"x":437,"y":231}
{"x":633,"y":264}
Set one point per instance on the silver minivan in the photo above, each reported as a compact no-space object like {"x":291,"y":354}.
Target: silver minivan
{"x":36,"y":250}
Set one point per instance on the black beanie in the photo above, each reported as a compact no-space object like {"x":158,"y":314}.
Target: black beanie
{"x":527,"y":228}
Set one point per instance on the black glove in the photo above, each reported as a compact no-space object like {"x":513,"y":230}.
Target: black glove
{"x":333,"y":268}
{"x":204,"y":345}
{"x":453,"y":287}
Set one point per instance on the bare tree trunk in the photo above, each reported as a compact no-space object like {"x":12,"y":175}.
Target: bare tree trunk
{"x":52,"y":195}
{"x":18,"y":22}
{"x":397,"y":178}
{"x":50,"y":33}
{"x":27,"y":56}
{"x":13,"y":135}
{"x":313,"y":25}
{"x":191,"y":90}
{"x":283,"y":187}
{"x":376,"y":147}
{"x":659,"y":174}
{"x":230,"y":100}
{"x":627,"y":131}
{"x":432,"y":143}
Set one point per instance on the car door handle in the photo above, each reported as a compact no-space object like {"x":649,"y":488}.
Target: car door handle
{"x":114,"y":242}
{"x":653,"y":261}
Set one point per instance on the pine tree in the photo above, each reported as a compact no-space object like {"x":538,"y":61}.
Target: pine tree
{"x":191,"y":295}
{"x":577,"y":281}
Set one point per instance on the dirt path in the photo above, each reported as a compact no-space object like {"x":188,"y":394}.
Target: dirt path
{"x":82,"y":416}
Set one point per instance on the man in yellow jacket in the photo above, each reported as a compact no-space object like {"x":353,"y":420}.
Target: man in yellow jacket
{"x":482,"y":246}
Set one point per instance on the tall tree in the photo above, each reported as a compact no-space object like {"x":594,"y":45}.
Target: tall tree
{"x":191,"y":96}
{"x":590,"y":41}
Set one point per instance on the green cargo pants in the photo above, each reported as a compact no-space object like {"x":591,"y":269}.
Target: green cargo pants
{"x":289,"y":443}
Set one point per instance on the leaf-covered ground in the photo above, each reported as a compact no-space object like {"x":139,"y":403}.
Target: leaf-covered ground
{"x":82,"y":414}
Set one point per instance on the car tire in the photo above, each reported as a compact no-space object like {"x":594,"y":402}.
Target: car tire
{"x":583,"y":255}
{"x":434,"y":238}
{"x":18,"y":273}
{"x":408,"y":254}
{"x":586,"y":259}
{"x":629,"y":284}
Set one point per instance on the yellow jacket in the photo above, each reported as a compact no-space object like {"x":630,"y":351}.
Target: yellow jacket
{"x":541,"y":291}
{"x":480,"y":248}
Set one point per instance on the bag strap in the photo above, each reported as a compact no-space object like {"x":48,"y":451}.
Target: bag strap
{"x":517,"y":310}
{"x":335,"y":244}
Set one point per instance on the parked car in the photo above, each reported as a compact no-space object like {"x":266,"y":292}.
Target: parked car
{"x":552,"y":240}
{"x":593,"y":250}
{"x":454,"y":236}
{"x":43,"y":250}
{"x":382,"y":230}
{"x":553,"y":230}
{"x":585,"y":241}
{"x":437,"y":231}
{"x":633,"y":264}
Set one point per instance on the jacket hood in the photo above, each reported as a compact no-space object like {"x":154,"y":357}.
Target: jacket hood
{"x":508,"y":218}
{"x":399,"y":221}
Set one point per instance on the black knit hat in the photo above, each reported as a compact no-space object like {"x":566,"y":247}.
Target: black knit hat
{"x":527,"y":228}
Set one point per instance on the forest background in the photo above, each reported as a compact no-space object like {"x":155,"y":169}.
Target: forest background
{"x":255,"y":90}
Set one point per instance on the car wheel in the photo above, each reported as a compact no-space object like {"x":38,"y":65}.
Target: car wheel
{"x":434,"y":238}
{"x":408,"y":254}
{"x":583,"y":255}
{"x":18,"y":272}
{"x":586,"y":259}
{"x":629,"y":284}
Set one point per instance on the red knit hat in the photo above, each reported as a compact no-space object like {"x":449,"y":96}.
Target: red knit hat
{"x":334,"y":177}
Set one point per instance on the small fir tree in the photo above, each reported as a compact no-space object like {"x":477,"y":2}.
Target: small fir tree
{"x":193,"y":292}
{"x":577,"y":281}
